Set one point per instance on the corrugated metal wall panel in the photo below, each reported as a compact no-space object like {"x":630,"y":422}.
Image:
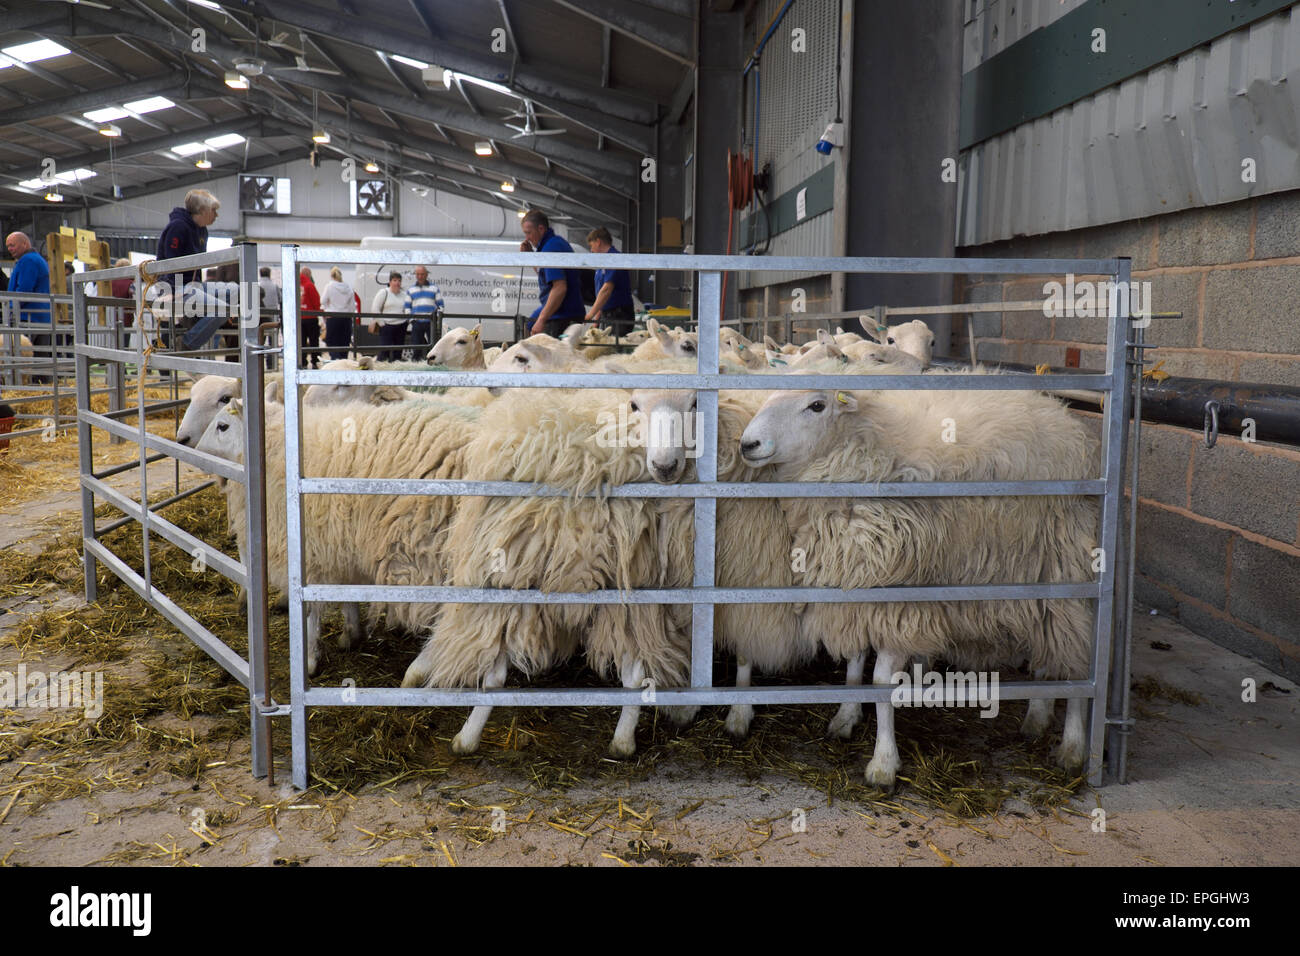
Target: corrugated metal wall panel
{"x":797,"y":101}
{"x":1173,"y":138}
{"x":993,"y":25}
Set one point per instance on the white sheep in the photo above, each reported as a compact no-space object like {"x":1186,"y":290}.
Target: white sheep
{"x":635,"y":337}
{"x":824,"y":348}
{"x":873,"y":353}
{"x":832,"y":435}
{"x":459,"y":348}
{"x":914,"y":338}
{"x":666,"y":344}
{"x":351,"y":539}
{"x":340,"y":394}
{"x":843,"y":338}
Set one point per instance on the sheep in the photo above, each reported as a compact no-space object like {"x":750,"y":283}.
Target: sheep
{"x":339,"y":394}
{"x":596,"y":343}
{"x":843,"y":338}
{"x":460,"y":349}
{"x":740,"y":350}
{"x":824,"y":348}
{"x":352,"y":539}
{"x":667,"y":345}
{"x":557,"y":544}
{"x":753,"y":540}
{"x":914,"y":338}
{"x":832,"y":435}
{"x":635,"y":337}
{"x":208,"y":395}
{"x":872,"y":353}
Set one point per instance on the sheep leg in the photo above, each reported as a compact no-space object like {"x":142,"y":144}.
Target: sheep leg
{"x":632,"y":671}
{"x":417,"y":675}
{"x":352,"y":633}
{"x":1073,"y":752}
{"x":740,"y":715}
{"x":313,"y":636}
{"x":884,"y":760}
{"x":1038,"y":717}
{"x":466,"y":742}
{"x":850,"y":713}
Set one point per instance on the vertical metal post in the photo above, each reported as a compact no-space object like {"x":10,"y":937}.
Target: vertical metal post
{"x":54,"y":360}
{"x":255,"y":513}
{"x":293,"y":518}
{"x":85,"y":456}
{"x":1116,"y":410}
{"x":145,"y":514}
{"x":114,"y":371}
{"x":1124,"y":660}
{"x":706,"y":468}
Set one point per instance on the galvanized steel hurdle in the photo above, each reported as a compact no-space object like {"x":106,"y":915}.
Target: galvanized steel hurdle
{"x":704,"y":594}
{"x":253,"y":673}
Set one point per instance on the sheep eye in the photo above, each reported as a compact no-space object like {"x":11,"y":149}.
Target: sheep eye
{"x":223,"y":399}
{"x":462,"y":342}
{"x":222,"y":427}
{"x":521,"y":360}
{"x":635,"y":407}
{"x":890,"y":340}
{"x":818,"y":406}
{"x":932,"y":343}
{"x":688,"y":347}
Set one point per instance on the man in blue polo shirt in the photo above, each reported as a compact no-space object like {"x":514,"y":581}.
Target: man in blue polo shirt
{"x":31,"y":274}
{"x":426,"y":304}
{"x":613,"y":305}
{"x":560,"y":290}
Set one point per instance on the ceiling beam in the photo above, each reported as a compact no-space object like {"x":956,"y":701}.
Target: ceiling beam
{"x":197,"y":178}
{"x":662,"y":31}
{"x":165,"y":84}
{"x":586,"y":162}
{"x":541,"y":84}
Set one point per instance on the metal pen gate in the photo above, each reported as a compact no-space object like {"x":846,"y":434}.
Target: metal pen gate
{"x":253,"y":672}
{"x":703,"y":595}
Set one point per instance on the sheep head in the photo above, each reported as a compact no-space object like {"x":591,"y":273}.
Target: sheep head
{"x":459,"y":348}
{"x":209,"y":395}
{"x":795,"y":427}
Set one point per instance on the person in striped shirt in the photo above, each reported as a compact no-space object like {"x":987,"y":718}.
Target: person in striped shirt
{"x":426,"y":304}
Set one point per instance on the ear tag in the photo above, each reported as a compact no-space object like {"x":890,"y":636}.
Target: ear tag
{"x":841,"y":398}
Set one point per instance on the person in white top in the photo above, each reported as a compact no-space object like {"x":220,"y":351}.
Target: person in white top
{"x":337,"y":325}
{"x":394,"y":307}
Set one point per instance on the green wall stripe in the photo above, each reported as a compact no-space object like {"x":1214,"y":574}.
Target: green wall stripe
{"x":1054,"y":66}
{"x":783,"y":210}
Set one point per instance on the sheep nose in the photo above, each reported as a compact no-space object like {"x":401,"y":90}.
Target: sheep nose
{"x":746,"y":447}
{"x":664,"y":473}
{"x":183,"y":441}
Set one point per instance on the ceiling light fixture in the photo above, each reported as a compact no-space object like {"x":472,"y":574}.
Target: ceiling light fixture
{"x":52,"y":196}
{"x":111,"y":131}
{"x":507,"y":186}
{"x":483,"y":148}
{"x":236,"y":81}
{"x":372,"y":167}
{"x":320,"y":136}
{"x":203,"y":163}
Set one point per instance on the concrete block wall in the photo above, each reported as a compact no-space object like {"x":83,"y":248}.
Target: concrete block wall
{"x":1218,"y":529}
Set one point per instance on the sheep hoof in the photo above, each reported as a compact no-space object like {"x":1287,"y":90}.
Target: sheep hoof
{"x":622,"y":748}
{"x":1071,"y":754}
{"x":881,"y":773}
{"x":1036,"y":723}
{"x":463,"y":745}
{"x":682,"y":716}
{"x":845,"y":719}
{"x":738,"y":719}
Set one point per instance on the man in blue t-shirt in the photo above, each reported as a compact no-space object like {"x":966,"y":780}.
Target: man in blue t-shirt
{"x":613,"y":305}
{"x":559,"y":290}
{"x":426,"y":305}
{"x":31,"y":274}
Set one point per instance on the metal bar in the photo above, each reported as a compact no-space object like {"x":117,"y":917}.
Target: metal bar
{"x":259,"y":663}
{"x":167,"y":360}
{"x":719,"y":489}
{"x":161,"y":526}
{"x":231,"y":662}
{"x":710,"y":263}
{"x":1117,"y":407}
{"x":156,"y":506}
{"x":85,"y":456}
{"x":706,"y":466}
{"x":419,"y":594}
{"x":125,"y":466}
{"x":1123,"y":674}
{"x":617,"y":696}
{"x":704,"y":380}
{"x":293,"y":519}
{"x":201,"y":460}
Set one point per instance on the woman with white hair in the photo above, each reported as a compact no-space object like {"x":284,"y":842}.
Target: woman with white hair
{"x":186,"y":234}
{"x":336,"y":301}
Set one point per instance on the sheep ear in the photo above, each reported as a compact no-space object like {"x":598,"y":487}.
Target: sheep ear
{"x":366,"y":362}
{"x":235,"y":407}
{"x":652,"y":326}
{"x":839,"y":330}
{"x":274,"y":392}
{"x":771,"y":343}
{"x":824,"y":337}
{"x":386,"y":394}
{"x":476,"y":330}
{"x":833,"y":351}
{"x":847,"y":401}
{"x":877,"y":332}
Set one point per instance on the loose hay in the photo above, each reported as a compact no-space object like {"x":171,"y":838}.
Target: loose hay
{"x":170,"y":710}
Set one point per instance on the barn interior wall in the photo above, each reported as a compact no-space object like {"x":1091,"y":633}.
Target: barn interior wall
{"x":1219,"y":529}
